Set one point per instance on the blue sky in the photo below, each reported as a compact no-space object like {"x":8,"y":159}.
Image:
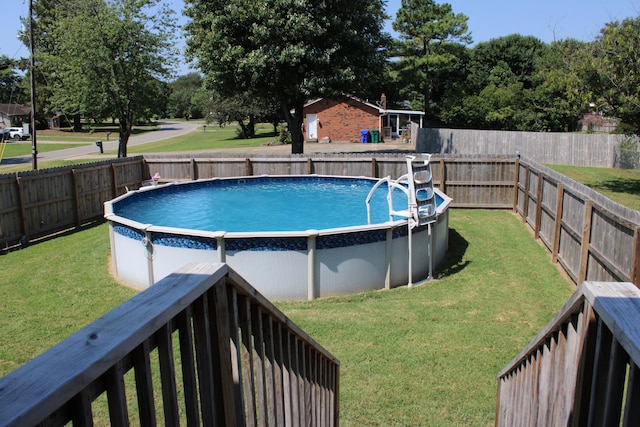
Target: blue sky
{"x":544,"y":19}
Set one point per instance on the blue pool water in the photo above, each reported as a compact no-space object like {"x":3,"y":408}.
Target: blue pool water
{"x":261,"y":204}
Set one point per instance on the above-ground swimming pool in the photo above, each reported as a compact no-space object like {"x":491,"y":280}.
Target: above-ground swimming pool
{"x":291,"y":237}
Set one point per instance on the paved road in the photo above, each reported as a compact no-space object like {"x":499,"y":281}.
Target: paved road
{"x":167,"y":130}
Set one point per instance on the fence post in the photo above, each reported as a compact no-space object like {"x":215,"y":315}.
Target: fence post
{"x":586,"y":237}
{"x":114,"y":181}
{"x":374,"y":168}
{"x":248,"y":169}
{"x":443,"y":176}
{"x":515,"y":186}
{"x":536,"y":228}
{"x":635,"y":269}
{"x":525,"y":209}
{"x":309,"y":166}
{"x":194,"y":169}
{"x":558,"y":223}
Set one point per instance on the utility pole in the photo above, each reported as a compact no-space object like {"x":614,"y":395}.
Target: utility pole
{"x":32,"y":85}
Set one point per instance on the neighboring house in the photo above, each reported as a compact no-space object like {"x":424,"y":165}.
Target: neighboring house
{"x":14,"y":115}
{"x":344,"y":120}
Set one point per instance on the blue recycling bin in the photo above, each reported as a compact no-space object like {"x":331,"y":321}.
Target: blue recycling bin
{"x":364,"y":136}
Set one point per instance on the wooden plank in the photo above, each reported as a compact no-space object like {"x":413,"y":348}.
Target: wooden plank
{"x":259,"y":357}
{"x":23,"y":209}
{"x":631,"y":408}
{"x":234,"y":353}
{"x":557,"y":223}
{"x":248,"y":367}
{"x":527,"y":179}
{"x":615,"y":384}
{"x":187,"y":360}
{"x":81,"y":414}
{"x":603,"y":260}
{"x":118,"y":412}
{"x":270,"y":397}
{"x":584,"y":245}
{"x":222,"y":359}
{"x":443,"y":176}
{"x":515,"y":185}
{"x":194,"y":169}
{"x":635,"y":269}
{"x":277,"y":374}
{"x":203,"y":349}
{"x":538,"y":219}
{"x":168,"y":376}
{"x":144,"y":385}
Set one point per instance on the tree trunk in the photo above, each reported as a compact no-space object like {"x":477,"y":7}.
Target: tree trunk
{"x":124,"y":134}
{"x":295,"y":127}
{"x":77,"y":124}
{"x":427,"y":96}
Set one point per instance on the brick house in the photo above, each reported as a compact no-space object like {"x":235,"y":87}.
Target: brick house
{"x":344,"y":120}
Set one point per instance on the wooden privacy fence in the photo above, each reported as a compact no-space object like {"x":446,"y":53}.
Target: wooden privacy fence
{"x":582,"y":369}
{"x":592,"y":237}
{"x":200,"y":347}
{"x":39,"y":203}
{"x":561,"y":148}
{"x":476,"y":182}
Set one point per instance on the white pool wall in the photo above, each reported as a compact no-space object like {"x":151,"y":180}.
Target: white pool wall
{"x":282,"y":266}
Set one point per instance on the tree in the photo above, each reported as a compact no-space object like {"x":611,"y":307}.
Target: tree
{"x":425,"y":30}
{"x":184,"y":90}
{"x":287,"y":51}
{"x":616,"y":60}
{"x":109,"y":58}
{"x":10,"y":82}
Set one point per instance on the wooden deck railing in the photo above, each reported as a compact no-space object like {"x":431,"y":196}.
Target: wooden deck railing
{"x":200,"y":347}
{"x":582,"y":369}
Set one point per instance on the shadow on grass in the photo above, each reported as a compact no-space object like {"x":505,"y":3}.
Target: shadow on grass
{"x":629,"y":186}
{"x":453,"y":261}
{"x":17,"y":245}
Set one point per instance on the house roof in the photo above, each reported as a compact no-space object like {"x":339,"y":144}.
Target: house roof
{"x":14,"y":110}
{"x":381,"y":110}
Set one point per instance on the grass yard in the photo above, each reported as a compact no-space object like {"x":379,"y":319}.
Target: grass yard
{"x":422,"y":356}
{"x":210,"y":138}
{"x":620,"y":185}
{"x":12,"y":149}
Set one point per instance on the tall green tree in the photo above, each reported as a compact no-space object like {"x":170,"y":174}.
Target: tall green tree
{"x":109,"y":57}
{"x":10,"y":82}
{"x":425,"y":29}
{"x":184,"y":90}
{"x":287,"y":51}
{"x":617,"y":62}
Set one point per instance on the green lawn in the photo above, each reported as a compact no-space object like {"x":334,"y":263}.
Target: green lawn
{"x":620,"y":185}
{"x":13,"y":149}
{"x":209,"y":138}
{"x":422,"y":356}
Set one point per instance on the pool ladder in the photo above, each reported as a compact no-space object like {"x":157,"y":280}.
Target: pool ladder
{"x":417,"y":184}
